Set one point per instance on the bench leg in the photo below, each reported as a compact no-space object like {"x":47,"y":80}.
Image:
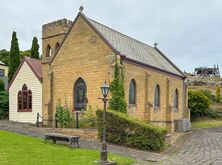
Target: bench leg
{"x":46,"y":138}
{"x":75,"y":142}
{"x":54,"y":141}
{"x":72,"y":141}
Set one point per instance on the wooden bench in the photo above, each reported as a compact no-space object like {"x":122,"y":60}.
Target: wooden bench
{"x":73,"y":140}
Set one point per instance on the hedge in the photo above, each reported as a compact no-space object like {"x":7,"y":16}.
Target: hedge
{"x":124,"y":130}
{"x":4,"y":104}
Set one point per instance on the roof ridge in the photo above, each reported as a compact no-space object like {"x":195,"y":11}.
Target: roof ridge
{"x":33,"y":68}
{"x":121,"y":33}
{"x":138,"y":46}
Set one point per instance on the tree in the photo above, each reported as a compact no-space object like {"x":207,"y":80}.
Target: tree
{"x":14,"y":60}
{"x":198,"y":103}
{"x":117,"y":102}
{"x":2,"y":85}
{"x":35,"y":48}
{"x":4,"y":56}
{"x":217,"y":94}
{"x":25,"y":53}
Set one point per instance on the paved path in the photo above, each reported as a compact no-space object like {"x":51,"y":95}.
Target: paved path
{"x":199,"y":147}
{"x":202,"y":147}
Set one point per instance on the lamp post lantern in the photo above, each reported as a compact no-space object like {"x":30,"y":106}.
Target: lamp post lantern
{"x":103,"y":153}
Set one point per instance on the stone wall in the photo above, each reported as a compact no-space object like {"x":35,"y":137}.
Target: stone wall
{"x":84,"y":54}
{"x":146,"y":80}
{"x":52,"y":33}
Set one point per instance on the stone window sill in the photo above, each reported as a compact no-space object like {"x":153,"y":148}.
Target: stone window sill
{"x":156,"y":109}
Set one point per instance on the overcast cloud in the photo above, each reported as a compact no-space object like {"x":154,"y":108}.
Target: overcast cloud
{"x":189,"y":31}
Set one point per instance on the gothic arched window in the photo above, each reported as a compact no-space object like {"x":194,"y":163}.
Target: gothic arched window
{"x":132,"y":92}
{"x":157,"y":97}
{"x":19,"y":101}
{"x":29,"y":99}
{"x":57,"y":46}
{"x":80,"y":99}
{"x":25,"y":99}
{"x":176,"y":100}
{"x":48,"y":51}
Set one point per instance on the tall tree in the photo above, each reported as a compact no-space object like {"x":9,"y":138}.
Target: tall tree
{"x":117,"y":102}
{"x":35,"y":48}
{"x":14,"y":55}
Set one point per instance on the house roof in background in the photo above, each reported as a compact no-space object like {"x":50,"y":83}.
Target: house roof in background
{"x":2,"y":63}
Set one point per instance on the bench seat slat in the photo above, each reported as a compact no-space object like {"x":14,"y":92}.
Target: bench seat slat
{"x":61,"y":137}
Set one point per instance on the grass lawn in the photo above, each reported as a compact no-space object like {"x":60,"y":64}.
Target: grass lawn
{"x":206,"y":123}
{"x":24,"y":150}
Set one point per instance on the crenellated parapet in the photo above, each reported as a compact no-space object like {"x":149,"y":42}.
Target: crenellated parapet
{"x":56,"y":28}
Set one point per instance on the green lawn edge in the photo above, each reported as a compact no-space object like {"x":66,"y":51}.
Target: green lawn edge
{"x":21,"y":150}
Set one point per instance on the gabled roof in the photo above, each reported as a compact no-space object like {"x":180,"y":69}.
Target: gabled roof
{"x":131,"y":48}
{"x":35,"y":66}
{"x":2,"y":63}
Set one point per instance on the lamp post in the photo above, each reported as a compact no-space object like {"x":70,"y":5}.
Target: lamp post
{"x":103,"y":152}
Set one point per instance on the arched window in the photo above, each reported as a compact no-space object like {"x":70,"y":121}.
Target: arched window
{"x":29,"y":99}
{"x":132,"y":92}
{"x":80,"y":99}
{"x":57,"y":46}
{"x":25,"y":99}
{"x":157,"y":97}
{"x":19,"y":101}
{"x":176,"y":100}
{"x":48,"y":51}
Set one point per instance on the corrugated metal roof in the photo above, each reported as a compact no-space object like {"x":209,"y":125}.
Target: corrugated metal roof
{"x":36,"y":66}
{"x":135,"y":49}
{"x":2,"y":63}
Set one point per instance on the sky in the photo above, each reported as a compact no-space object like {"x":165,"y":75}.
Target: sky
{"x":189,"y":32}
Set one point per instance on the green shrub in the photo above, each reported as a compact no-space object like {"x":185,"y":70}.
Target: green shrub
{"x":212,"y":113}
{"x":86,"y":118}
{"x":124,"y":130}
{"x":198,"y":103}
{"x":4,"y":104}
{"x":2,"y":85}
{"x":208,"y":94}
{"x":117,"y":102}
{"x":63,"y":116}
{"x":217,"y":99}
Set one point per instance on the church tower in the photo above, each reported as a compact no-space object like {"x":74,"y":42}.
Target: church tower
{"x":53,"y":34}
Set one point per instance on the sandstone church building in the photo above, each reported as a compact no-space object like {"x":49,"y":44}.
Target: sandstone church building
{"x":78,"y":56}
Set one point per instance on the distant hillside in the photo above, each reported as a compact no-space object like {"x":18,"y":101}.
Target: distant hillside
{"x":206,"y":83}
{"x":201,"y":82}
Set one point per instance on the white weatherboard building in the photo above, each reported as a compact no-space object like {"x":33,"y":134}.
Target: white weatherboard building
{"x":25,"y":92}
